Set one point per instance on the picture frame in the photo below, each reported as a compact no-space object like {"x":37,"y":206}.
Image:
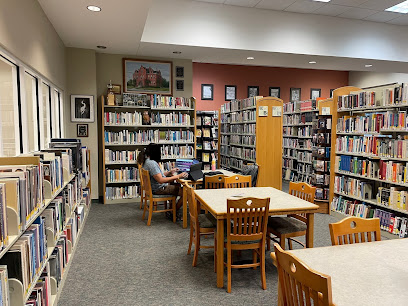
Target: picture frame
{"x":116,"y":89}
{"x":82,"y":130}
{"x":274,"y":92}
{"x":147,"y":76}
{"x":179,"y":85}
{"x":331,"y":93}
{"x":179,"y":72}
{"x":315,"y":93}
{"x":230,"y":92}
{"x":253,"y":91}
{"x":207,"y":92}
{"x":82,"y":108}
{"x":295,"y":94}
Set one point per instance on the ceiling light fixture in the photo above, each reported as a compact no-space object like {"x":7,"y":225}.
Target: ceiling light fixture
{"x":312,"y":62}
{"x":322,"y":0}
{"x":101,"y":47}
{"x":250,"y":58}
{"x":94,"y":8}
{"x":368,"y":65}
{"x":177,"y":52}
{"x":399,"y":8}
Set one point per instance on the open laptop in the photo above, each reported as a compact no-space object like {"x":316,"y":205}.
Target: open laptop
{"x":184,"y":165}
{"x":195,"y":172}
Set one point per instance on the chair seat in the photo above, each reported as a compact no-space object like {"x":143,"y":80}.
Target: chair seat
{"x":163,"y":196}
{"x":206,"y":221}
{"x":286,"y":225}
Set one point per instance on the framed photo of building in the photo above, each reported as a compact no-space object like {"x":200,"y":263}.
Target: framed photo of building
{"x":230,"y":92}
{"x":315,"y":93}
{"x":207,"y":92}
{"x":253,"y":91}
{"x":82,"y":108}
{"x":145,"y":76}
{"x":82,"y":130}
{"x":274,"y":92}
{"x":295,"y":94}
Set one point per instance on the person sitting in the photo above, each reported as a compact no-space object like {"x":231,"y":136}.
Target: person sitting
{"x":161,"y":182}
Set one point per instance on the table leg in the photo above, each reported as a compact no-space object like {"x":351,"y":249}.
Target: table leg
{"x":220,"y":253}
{"x":184,"y":207}
{"x":310,"y":230}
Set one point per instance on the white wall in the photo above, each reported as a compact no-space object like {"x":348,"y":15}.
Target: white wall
{"x":367,"y":79}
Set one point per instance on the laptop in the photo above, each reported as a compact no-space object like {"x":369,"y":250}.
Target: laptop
{"x":184,"y":164}
{"x":195,"y":172}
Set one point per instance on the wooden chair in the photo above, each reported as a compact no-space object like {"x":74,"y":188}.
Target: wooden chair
{"x":154,"y":199}
{"x":292,"y":225}
{"x":299,"y":284}
{"x":214,"y":181}
{"x":247,"y":218}
{"x":237,"y":181}
{"x":143,"y":198}
{"x":355,"y":230}
{"x":200,"y":224}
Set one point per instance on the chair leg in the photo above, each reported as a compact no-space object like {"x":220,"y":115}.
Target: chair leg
{"x":141,"y":200}
{"x":144,"y":209}
{"x":191,"y":239}
{"x":254,"y":257}
{"x":173,"y":203}
{"x":282,"y":241}
{"x":196,"y":247}
{"x":263,"y":274}
{"x":229,"y":259}
{"x":268,"y":240}
{"x":149,"y":220}
{"x":290,"y":244}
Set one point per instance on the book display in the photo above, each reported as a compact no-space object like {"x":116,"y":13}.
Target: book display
{"x":128,"y":128}
{"x":251,"y":132}
{"x":44,"y":200}
{"x":207,"y":138}
{"x":369,"y":173}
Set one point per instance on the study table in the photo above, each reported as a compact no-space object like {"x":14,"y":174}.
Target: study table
{"x":282,"y":203}
{"x":194,"y":185}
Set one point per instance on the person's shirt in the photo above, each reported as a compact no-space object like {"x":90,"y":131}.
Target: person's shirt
{"x":153,"y":168}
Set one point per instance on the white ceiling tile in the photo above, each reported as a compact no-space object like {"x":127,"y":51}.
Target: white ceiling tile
{"x":400,"y":20}
{"x":304,"y":6}
{"x":331,"y":10}
{"x":383,"y":16}
{"x":211,"y":1}
{"x":278,"y":5}
{"x":379,"y":5}
{"x":354,"y":3}
{"x":246,"y":3}
{"x":357,"y":13}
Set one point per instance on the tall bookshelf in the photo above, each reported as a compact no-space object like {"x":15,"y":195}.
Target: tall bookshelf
{"x":207,"y":137}
{"x":251,"y":132}
{"x":370,"y":155}
{"x":171,"y":123}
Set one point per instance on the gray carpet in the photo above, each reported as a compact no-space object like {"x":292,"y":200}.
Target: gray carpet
{"x":121,"y":261}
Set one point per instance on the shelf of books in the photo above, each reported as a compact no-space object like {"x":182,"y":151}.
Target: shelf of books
{"x":251,"y":132}
{"x":130,"y":127}
{"x":207,"y":138}
{"x":44,"y":201}
{"x":371,"y":155}
{"x":299,"y":124}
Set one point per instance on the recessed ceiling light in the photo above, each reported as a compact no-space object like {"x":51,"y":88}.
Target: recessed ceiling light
{"x":322,"y":0}
{"x":368,"y":65}
{"x":101,"y":47}
{"x":399,"y":8}
{"x":312,"y":62}
{"x":94,"y":8}
{"x":250,"y":58}
{"x":177,"y":52}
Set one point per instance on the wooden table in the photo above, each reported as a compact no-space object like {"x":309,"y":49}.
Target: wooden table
{"x":194,"y":185}
{"x":371,"y":273}
{"x":282,"y":203}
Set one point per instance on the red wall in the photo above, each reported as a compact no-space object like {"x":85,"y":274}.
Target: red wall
{"x":243,"y":76}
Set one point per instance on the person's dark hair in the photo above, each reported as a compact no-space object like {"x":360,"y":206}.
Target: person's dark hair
{"x":152,"y":151}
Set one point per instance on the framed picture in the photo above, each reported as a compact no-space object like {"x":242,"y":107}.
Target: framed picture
{"x":82,"y":130}
{"x":230,"y":92}
{"x":116,"y":89}
{"x":274,"y":92}
{"x":179,"y":85}
{"x":315,"y":93}
{"x":295,"y":94}
{"x":253,"y":91}
{"x":144,"y":76}
{"x":207,"y":92}
{"x":331,"y":93}
{"x":82,"y":108}
{"x":179,"y":72}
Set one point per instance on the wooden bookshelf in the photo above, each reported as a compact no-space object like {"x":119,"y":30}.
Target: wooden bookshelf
{"x":211,"y":124}
{"x":267,"y":146}
{"x":136,"y":147}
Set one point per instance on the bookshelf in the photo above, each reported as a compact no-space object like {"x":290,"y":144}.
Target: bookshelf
{"x":251,"y":132}
{"x":128,"y":129}
{"x":370,"y":155}
{"x":207,"y":137}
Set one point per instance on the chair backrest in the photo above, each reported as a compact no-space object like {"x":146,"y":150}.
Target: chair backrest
{"x":248,"y":218}
{"x":303,"y":191}
{"x":355,"y":230}
{"x":301,"y":285}
{"x":146,"y":183}
{"x":252,"y":170}
{"x":214,"y":181}
{"x":237,"y":181}
{"x":192,"y":203}
{"x":139,"y":167}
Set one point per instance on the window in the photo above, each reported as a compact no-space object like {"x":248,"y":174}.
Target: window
{"x":55,"y":119}
{"x":9,"y":119}
{"x":45,"y":118}
{"x":30,"y":126}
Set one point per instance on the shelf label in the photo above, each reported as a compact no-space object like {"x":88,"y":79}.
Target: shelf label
{"x":276,"y":111}
{"x":325,"y":111}
{"x":263,"y":111}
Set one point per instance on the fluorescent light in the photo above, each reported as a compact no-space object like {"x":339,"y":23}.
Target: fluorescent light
{"x":368,"y":65}
{"x":250,"y":58}
{"x":322,"y":0}
{"x":312,"y":62}
{"x":94,"y":8}
{"x":399,"y":8}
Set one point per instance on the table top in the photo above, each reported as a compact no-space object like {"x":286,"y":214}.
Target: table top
{"x":371,"y":273}
{"x":281,"y":202}
{"x":225,"y":172}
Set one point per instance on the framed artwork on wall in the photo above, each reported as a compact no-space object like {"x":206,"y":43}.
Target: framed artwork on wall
{"x":179,"y":72}
{"x":274,"y":92}
{"x":230,"y":92}
{"x":315,"y":93}
{"x":331,"y":93}
{"x":82,"y":130}
{"x":179,"y":85}
{"x":295,"y":94}
{"x":145,"y":76}
{"x":82,"y":108}
{"x":207,"y":92}
{"x":253,"y":91}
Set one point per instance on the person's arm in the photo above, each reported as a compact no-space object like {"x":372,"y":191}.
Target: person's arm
{"x":164,"y":179}
{"x":171,"y":171}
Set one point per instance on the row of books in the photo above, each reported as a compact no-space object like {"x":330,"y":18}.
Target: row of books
{"x":123,"y":156}
{"x":231,"y":162}
{"x":305,"y":131}
{"x":123,"y":118}
{"x":205,"y":157}
{"x":321,"y":152}
{"x":298,"y":119}
{"x":248,"y":128}
{"x":147,"y":136}
{"x":248,"y":115}
{"x":243,"y":153}
{"x":159,"y":101}
{"x":353,"y":187}
{"x":206,"y":120}
{"x":304,"y":168}
{"x":379,"y":146}
{"x":321,"y":165}
{"x":237,"y":105}
{"x":296,"y":106}
{"x":244,"y":140}
{"x":203,"y":132}
{"x":322,"y":193}
{"x":321,"y":138}
{"x":324,"y":123}
{"x":122,"y":192}
{"x":207,"y":145}
{"x":304,"y":156}
{"x":170,"y":119}
{"x":321,"y":179}
{"x":124,"y":174}
{"x":175,"y":151}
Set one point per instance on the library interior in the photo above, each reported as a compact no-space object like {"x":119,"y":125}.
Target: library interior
{"x":203,"y":152}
